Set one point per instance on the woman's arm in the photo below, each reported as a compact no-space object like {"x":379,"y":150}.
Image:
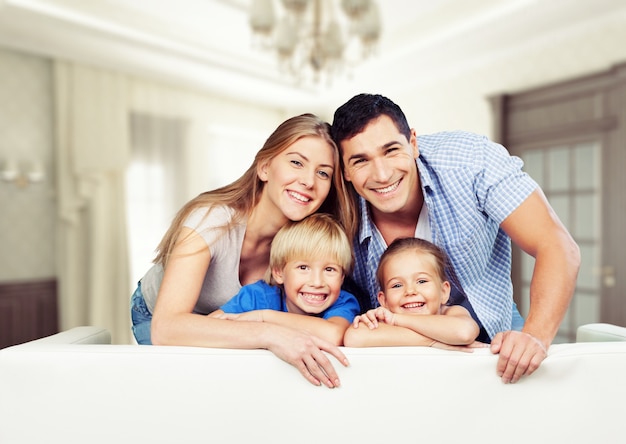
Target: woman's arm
{"x":174,"y":322}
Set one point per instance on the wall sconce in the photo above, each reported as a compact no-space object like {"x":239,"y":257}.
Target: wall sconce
{"x":31,"y":172}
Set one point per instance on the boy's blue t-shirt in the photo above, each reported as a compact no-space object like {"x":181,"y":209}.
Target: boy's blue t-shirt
{"x":262,"y":296}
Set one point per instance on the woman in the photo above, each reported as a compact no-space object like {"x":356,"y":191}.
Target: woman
{"x":221,"y":240}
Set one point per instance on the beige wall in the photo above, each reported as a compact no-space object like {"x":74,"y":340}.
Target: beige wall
{"x":452,"y":100}
{"x":27,"y":227}
{"x":457,"y":100}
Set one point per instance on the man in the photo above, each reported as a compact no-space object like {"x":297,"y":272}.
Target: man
{"x":468,"y":195}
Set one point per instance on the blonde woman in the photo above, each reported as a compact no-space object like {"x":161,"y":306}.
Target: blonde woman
{"x":221,"y":239}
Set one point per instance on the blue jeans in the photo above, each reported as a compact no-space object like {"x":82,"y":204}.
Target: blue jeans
{"x":141,"y":317}
{"x":518,"y":321}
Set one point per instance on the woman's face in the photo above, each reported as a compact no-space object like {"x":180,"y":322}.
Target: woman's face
{"x":298,"y":180}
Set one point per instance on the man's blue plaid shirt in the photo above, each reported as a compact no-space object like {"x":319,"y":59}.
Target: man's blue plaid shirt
{"x":470,"y":185}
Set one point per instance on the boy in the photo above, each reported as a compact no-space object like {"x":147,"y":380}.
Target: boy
{"x":302,"y":289}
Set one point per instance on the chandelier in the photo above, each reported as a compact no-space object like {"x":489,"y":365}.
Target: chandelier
{"x":316,"y":39}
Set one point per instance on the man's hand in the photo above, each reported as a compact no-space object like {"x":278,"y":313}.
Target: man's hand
{"x":520,"y":354}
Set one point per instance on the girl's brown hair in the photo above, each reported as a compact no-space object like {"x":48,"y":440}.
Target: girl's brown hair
{"x":440,"y":259}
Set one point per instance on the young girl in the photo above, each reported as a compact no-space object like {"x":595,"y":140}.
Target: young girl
{"x":302,"y":289}
{"x":413,"y":297}
{"x":221,"y":239}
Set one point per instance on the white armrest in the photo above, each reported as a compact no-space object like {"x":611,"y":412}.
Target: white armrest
{"x":76,"y":335}
{"x":600,"y":333}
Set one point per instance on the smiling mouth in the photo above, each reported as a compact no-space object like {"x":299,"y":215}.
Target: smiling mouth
{"x":299,"y":197}
{"x":414,"y":305}
{"x":314,"y":298}
{"x":391,"y":188}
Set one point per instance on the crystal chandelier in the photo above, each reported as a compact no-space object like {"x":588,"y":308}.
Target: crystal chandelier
{"x":316,"y":40}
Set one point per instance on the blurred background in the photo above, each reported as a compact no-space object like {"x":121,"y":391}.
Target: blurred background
{"x":113,"y":113}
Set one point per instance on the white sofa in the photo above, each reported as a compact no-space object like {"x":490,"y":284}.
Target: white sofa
{"x":74,"y":387}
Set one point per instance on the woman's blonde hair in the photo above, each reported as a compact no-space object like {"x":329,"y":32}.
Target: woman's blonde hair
{"x":243,"y":194}
{"x":316,"y":236}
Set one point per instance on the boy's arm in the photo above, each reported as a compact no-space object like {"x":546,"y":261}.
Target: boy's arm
{"x":331,"y":329}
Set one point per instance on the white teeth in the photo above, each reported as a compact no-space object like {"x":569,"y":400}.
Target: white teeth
{"x":317,"y":297}
{"x":298,"y":196}
{"x":414,"y":305}
{"x":388,"y":189}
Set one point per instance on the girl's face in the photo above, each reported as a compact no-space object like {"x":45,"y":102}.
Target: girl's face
{"x":411,"y":284}
{"x":311,"y":286}
{"x":298,"y":180}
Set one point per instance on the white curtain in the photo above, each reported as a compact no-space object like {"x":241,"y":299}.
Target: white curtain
{"x":92,"y":152}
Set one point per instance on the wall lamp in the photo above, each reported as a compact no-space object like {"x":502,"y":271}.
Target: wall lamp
{"x":22,"y":174}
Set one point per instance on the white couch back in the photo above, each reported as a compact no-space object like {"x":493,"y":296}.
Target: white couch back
{"x":85,"y":393}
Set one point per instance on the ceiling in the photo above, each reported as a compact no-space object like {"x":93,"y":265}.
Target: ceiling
{"x":208,"y":43}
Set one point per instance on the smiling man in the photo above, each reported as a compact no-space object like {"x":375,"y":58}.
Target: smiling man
{"x":466,"y":194}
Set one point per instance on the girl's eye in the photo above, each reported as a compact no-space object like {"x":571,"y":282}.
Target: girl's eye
{"x":421,"y":281}
{"x":396,"y":285}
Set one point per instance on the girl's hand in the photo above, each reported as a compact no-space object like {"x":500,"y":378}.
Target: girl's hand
{"x":371,"y":318}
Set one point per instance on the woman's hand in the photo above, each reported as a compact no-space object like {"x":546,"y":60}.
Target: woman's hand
{"x":306,"y":352}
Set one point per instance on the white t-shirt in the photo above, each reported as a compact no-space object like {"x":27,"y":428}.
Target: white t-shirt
{"x":222,"y":279}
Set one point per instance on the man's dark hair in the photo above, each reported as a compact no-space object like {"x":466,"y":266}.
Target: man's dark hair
{"x":352,"y":117}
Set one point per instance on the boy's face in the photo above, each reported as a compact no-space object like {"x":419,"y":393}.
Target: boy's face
{"x":311,"y":286}
{"x":411,"y":285}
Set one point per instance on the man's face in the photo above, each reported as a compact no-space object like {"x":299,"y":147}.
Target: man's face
{"x":380,"y":164}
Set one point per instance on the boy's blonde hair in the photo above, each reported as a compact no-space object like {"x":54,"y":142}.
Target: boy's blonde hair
{"x":316,"y":236}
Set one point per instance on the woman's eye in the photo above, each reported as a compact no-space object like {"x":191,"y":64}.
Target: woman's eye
{"x":324,"y":174}
{"x":296,"y":162}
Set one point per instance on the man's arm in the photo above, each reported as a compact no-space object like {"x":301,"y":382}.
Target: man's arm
{"x":537,"y":230}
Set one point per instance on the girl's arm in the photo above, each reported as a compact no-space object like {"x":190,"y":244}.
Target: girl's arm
{"x":455,"y":326}
{"x":174,"y":322}
{"x":386,"y":335}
